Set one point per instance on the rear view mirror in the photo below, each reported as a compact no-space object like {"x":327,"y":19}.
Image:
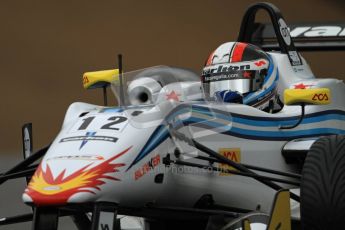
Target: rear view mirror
{"x":99,"y":79}
{"x":303,"y":97}
{"x":318,"y":96}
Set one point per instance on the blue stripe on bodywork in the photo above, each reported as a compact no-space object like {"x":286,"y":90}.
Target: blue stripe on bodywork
{"x":289,"y":122}
{"x":162,"y":133}
{"x":259,"y":133}
{"x":271,"y":135}
{"x":157,"y":137}
{"x":321,"y":116}
{"x":274,"y":122}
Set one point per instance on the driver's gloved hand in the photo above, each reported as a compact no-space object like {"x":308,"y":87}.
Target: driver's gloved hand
{"x":229,"y":96}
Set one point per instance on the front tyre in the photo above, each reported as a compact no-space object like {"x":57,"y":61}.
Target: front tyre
{"x":323,"y":185}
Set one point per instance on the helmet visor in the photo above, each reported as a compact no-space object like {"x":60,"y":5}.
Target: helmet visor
{"x":242,"y":81}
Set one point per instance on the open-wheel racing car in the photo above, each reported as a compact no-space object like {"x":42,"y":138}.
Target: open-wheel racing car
{"x":179,"y":156}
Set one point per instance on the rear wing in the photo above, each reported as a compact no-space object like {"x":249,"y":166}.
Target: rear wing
{"x":306,"y":36}
{"x":289,"y":39}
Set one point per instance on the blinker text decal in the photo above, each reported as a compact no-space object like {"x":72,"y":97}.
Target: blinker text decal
{"x":90,"y":136}
{"x":148,"y":166}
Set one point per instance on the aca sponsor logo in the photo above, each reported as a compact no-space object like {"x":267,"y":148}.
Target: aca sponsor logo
{"x":148,"y":166}
{"x":233,"y":154}
{"x":320,"y":97}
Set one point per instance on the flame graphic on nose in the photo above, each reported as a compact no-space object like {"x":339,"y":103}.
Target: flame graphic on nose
{"x":44,"y":189}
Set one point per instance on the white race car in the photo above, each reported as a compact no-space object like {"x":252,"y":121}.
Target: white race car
{"x":180,"y":160}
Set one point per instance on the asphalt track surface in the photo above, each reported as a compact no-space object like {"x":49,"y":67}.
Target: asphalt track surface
{"x":11,"y":202}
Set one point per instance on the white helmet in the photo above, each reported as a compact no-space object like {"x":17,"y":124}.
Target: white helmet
{"x":244,"y":69}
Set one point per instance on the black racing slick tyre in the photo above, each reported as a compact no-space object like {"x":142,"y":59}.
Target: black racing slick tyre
{"x":323,"y":185}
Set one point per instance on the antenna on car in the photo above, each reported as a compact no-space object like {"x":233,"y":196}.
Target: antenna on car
{"x":105,"y":98}
{"x":122,"y":96}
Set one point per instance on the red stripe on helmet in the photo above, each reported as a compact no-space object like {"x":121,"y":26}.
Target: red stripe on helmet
{"x":210,"y":58}
{"x":238,"y":52}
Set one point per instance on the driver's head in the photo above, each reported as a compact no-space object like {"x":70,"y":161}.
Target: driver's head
{"x":243,"y":69}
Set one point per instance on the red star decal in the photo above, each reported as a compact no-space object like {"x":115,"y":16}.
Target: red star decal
{"x":301,"y":86}
{"x":246,"y":74}
{"x":173,"y":96}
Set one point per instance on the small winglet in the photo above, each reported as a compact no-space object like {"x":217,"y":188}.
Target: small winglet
{"x":99,"y":79}
{"x":280,"y":218}
{"x":317,"y":96}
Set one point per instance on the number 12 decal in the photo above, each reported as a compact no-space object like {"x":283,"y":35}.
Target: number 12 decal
{"x":114,"y":121}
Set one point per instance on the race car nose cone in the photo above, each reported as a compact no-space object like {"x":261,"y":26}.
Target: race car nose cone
{"x":39,"y":199}
{"x":45,"y":199}
{"x":48,"y":188}
{"x":51,"y":185}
